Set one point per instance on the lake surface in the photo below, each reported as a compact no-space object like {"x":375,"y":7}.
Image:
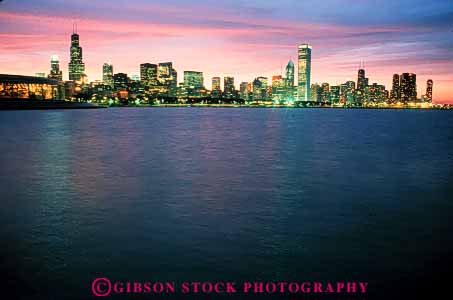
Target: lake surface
{"x":190,"y":194}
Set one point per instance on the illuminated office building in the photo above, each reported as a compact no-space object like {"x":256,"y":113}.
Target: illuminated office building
{"x":395,"y":94}
{"x":316,"y":92}
{"x":429,"y":91}
{"x":166,"y":74}
{"x":256,"y":86}
{"x":264,"y":88}
{"x":343,"y":91}
{"x":244,"y":91}
{"x":350,"y":92}
{"x":120,"y":81}
{"x":260,"y":89}
{"x":148,"y":75}
{"x":278,"y":88}
{"x":290,"y":74}
{"x":325,"y":92}
{"x":304,"y":59}
{"x":269,"y":92}
{"x":375,"y":93}
{"x":229,"y":90}
{"x":193,"y":79}
{"x":55,"y":72}
{"x":335,"y":94}
{"x":362,"y":82}
{"x":216,"y":91}
{"x":76,"y":66}
{"x":29,"y":87}
{"x":347,"y":91}
{"x":216,"y":84}
{"x":193,"y":85}
{"x":168,"y":78}
{"x":290,"y":91}
{"x":408,"y":87}
{"x":107,"y":74}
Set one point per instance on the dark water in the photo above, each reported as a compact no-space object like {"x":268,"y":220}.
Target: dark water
{"x":225,"y":194}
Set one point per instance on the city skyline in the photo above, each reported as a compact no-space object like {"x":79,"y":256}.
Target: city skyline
{"x":161,"y":79}
{"x":266,"y":56}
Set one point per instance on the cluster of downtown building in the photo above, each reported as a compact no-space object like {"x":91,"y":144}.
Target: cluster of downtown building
{"x":159,"y":83}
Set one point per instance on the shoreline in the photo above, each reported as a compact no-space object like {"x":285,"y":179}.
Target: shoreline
{"x":19,"y":104}
{"x":436,"y":107}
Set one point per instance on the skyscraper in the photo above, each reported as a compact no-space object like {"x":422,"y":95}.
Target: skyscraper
{"x":325,"y":93}
{"x":375,"y":93}
{"x":260,"y":88}
{"x":408,"y":87}
{"x":216,"y":91}
{"x":168,"y":77}
{"x":148,"y":74}
{"x":335,"y":94}
{"x":290,"y":74}
{"x":395,"y":94}
{"x":350,"y":91}
{"x":243,"y":91}
{"x":107,"y":74}
{"x":316,"y":92}
{"x":55,"y":72}
{"x":193,"y":79}
{"x":76,"y":66}
{"x":228,"y":87}
{"x":362,"y":82}
{"x":290,"y":92}
{"x":164,"y":71}
{"x":120,"y":81}
{"x":303,"y":88}
{"x":278,"y":88}
{"x":429,"y":91}
{"x":343,"y":92}
{"x":174,"y":79}
{"x":193,"y":85}
{"x":216,"y":84}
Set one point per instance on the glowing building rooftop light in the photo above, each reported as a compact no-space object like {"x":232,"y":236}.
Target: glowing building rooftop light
{"x":304,"y":46}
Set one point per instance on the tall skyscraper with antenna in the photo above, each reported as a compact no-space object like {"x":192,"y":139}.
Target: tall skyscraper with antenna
{"x":76,"y":66}
{"x":361,"y":84}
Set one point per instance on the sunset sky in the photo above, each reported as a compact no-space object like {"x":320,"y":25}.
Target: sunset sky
{"x":244,"y":39}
